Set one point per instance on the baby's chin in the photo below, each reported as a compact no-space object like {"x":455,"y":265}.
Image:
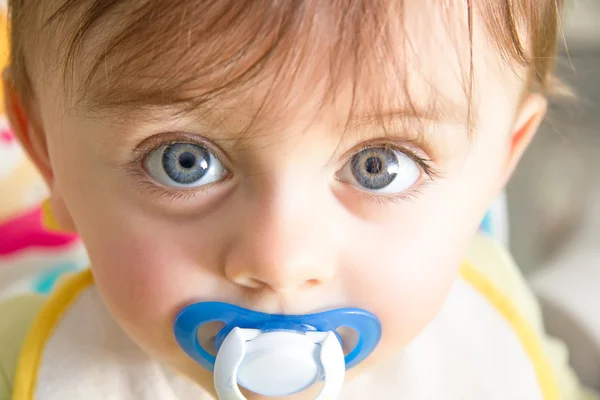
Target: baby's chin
{"x":188,"y":369}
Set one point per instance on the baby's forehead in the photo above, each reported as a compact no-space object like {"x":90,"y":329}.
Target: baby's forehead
{"x":272,"y":57}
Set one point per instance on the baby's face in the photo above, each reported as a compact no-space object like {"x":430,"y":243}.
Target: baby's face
{"x":312,"y":208}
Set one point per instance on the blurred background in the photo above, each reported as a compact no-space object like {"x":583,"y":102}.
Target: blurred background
{"x":555,"y":193}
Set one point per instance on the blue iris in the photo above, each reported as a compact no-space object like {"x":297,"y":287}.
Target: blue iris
{"x":185,"y":163}
{"x":375,"y":168}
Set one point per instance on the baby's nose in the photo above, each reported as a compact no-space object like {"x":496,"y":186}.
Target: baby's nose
{"x":282,"y":256}
{"x":279,"y":267}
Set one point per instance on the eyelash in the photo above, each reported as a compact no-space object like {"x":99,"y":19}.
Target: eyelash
{"x":379,"y":199}
{"x":425,"y":164}
{"x":183,"y":139}
{"x":141,"y":177}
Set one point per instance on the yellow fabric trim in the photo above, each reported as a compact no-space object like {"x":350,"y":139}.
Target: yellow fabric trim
{"x":531,"y":343}
{"x":48,"y":220}
{"x":42,"y":329}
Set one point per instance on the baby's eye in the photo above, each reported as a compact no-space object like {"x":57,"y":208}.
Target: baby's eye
{"x":184,"y":165}
{"x":381,"y":170}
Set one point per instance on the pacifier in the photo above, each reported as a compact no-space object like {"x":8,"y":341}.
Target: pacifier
{"x":275,"y":354}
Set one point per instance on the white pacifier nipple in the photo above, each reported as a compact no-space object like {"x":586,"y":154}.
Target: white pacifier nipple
{"x":278,"y":363}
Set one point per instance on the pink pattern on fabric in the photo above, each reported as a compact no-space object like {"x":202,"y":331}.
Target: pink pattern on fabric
{"x":7,"y":136}
{"x":27,"y":231}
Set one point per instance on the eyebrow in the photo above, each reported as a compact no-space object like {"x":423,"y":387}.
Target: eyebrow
{"x":440,"y":111}
{"x":408,"y":122}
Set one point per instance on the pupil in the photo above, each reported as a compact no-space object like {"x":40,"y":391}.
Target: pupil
{"x":374,"y":165}
{"x":187,"y":160}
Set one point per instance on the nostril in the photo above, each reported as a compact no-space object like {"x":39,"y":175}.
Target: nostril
{"x":276,"y":284}
{"x":254,"y":283}
{"x":248,"y":282}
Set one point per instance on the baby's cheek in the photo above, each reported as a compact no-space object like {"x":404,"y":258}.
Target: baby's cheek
{"x":133,"y":281}
{"x":405,"y":288}
{"x":142,"y":284}
{"x":407,"y":304}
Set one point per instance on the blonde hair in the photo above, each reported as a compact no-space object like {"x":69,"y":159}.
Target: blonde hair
{"x":523,"y":31}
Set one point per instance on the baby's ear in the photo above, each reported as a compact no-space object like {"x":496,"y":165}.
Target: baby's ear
{"x":28,"y":129}
{"x":528,"y":119}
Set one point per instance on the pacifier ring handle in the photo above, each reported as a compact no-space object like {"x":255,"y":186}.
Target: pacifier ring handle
{"x":231,"y":354}
{"x":230,"y":358}
{"x":332,"y":361}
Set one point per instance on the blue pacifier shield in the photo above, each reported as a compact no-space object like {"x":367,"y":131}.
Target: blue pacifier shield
{"x":193,"y":317}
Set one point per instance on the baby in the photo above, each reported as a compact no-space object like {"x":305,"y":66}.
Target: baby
{"x":280,"y":199}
